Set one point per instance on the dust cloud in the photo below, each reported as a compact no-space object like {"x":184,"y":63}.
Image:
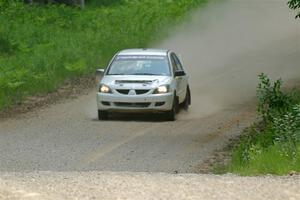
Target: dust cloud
{"x":227,"y":44}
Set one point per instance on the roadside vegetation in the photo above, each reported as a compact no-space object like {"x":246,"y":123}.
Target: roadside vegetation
{"x":295,"y":5}
{"x":43,"y":45}
{"x":271,"y":146}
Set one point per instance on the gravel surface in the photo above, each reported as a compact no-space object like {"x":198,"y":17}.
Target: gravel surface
{"x":107,"y":185}
{"x":68,"y":137}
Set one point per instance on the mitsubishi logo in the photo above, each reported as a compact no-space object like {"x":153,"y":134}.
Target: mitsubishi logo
{"x":132,"y":92}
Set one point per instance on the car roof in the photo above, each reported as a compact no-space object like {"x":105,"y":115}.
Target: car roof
{"x":152,"y":52}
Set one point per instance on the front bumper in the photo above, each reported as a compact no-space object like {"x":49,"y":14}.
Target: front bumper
{"x":135,"y":103}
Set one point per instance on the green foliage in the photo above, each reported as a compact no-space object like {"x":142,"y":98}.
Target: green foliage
{"x":6,"y":47}
{"x":272,"y":146}
{"x":42,"y":46}
{"x":287,"y":131}
{"x":272,"y":100}
{"x":269,"y":160}
{"x":295,"y":5}
{"x":104,"y":2}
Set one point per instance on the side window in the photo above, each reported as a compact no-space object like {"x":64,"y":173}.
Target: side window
{"x":174,"y":65}
{"x":178,"y":63}
{"x":178,"y":66}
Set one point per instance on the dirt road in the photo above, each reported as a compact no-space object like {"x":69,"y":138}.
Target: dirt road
{"x":223,"y":56}
{"x":68,"y":137}
{"x":224,"y":47}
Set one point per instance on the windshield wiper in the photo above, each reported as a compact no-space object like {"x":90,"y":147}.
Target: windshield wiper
{"x":117,"y":74}
{"x":145,"y":74}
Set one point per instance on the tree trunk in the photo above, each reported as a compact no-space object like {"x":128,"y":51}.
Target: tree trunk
{"x":81,"y":3}
{"x":28,"y":1}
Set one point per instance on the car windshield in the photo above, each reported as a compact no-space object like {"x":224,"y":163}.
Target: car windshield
{"x":140,"y":65}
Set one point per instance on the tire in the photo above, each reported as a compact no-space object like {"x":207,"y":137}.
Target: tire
{"x":187,"y":100}
{"x":171,"y":114}
{"x":102,"y":115}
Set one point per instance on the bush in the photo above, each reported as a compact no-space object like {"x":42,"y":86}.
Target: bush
{"x":273,"y":145}
{"x":287,"y":131}
{"x":272,"y":101}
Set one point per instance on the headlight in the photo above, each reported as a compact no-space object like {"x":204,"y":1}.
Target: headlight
{"x":162,"y":89}
{"x":104,"y":89}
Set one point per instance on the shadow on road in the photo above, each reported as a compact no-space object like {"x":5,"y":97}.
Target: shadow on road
{"x":139,"y":117}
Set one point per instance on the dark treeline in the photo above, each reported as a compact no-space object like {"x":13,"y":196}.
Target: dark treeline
{"x":52,"y":1}
{"x":68,"y":2}
{"x":78,"y":2}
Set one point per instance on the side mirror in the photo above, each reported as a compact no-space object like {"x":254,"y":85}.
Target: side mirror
{"x":179,"y":73}
{"x":99,"y":74}
{"x":99,"y":71}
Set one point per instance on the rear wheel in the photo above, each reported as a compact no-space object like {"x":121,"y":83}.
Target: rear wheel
{"x":171,"y":114}
{"x":102,"y":115}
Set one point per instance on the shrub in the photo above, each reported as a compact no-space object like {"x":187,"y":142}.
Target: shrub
{"x":287,"y":131}
{"x":273,"y":145}
{"x":272,"y":101}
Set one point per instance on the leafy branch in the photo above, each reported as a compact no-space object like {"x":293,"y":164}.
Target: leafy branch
{"x":295,"y":5}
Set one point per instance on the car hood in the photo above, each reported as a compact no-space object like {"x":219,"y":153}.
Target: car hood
{"x":134,"y":80}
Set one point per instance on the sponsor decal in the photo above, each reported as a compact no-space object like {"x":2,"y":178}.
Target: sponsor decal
{"x":140,"y":57}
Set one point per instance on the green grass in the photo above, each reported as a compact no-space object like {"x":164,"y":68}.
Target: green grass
{"x":270,"y":160}
{"x":42,"y":46}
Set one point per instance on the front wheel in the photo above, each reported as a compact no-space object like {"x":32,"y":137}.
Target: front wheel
{"x":187,"y":100}
{"x":102,"y":115}
{"x":171,"y":114}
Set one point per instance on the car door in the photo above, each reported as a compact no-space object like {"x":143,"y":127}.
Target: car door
{"x":181,"y":80}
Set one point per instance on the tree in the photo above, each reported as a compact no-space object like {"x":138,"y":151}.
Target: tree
{"x":295,"y":5}
{"x":81,"y":3}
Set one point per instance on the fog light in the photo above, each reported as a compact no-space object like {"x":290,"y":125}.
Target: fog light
{"x":159,"y":103}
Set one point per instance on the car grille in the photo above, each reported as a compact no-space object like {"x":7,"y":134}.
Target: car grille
{"x":126,"y":91}
{"x":141,"y":91}
{"x":121,"y":91}
{"x":132,"y":105}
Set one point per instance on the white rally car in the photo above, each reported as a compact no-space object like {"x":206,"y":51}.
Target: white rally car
{"x":143,"y":80}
